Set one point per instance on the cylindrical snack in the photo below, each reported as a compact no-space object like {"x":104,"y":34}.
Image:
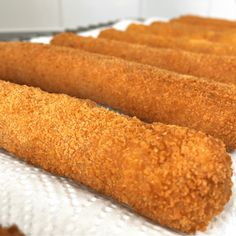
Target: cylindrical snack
{"x":157,"y":41}
{"x":144,"y":91}
{"x":219,"y":68}
{"x":201,"y":27}
{"x":183,"y":30}
{"x":176,"y":176}
{"x":208,"y":22}
{"x":187,"y":26}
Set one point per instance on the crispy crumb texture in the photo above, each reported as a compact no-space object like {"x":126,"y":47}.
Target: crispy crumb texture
{"x":178,"y":177}
{"x":139,"y":90}
{"x":207,"y":23}
{"x":176,"y":29}
{"x":218,"y":68}
{"x":135,"y":34}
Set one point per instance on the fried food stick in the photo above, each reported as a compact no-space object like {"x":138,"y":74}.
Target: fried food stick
{"x":204,"y":28}
{"x":198,"y":46}
{"x":166,"y":29}
{"x":139,"y":90}
{"x":175,"y":176}
{"x":219,"y":68}
{"x":208,"y":22}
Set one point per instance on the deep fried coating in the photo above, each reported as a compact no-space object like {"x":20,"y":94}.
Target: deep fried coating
{"x":11,"y":231}
{"x":166,"y":29}
{"x":199,"y":46}
{"x":176,"y":176}
{"x":187,"y":26}
{"x":202,"y":27}
{"x":208,"y":22}
{"x":144,"y":91}
{"x":219,"y":68}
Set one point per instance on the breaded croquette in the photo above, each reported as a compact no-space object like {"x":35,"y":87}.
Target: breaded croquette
{"x":202,"y":28}
{"x":184,"y":26}
{"x":198,"y":46}
{"x":223,"y":34}
{"x":219,"y":68}
{"x":178,"y":177}
{"x":144,"y":91}
{"x":166,"y":29}
{"x":208,"y":22}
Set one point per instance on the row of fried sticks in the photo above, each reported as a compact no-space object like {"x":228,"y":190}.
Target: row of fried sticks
{"x":179,"y":177}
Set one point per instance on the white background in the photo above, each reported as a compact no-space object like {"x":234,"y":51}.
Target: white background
{"x":37,"y":15}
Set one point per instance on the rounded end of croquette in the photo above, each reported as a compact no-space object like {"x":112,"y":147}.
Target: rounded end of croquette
{"x":205,"y":181}
{"x":184,"y":182}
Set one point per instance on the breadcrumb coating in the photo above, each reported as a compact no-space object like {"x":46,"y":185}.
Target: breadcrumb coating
{"x":207,"y":22}
{"x":175,"y":29}
{"x":158,"y":41}
{"x":208,"y":30}
{"x":11,"y":231}
{"x":219,"y":68}
{"x":144,"y":91}
{"x":201,"y":27}
{"x":178,"y":177}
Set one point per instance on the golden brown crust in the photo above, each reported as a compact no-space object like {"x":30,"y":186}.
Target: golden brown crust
{"x":139,"y":90}
{"x":204,"y":29}
{"x":175,"y":29}
{"x":158,"y":41}
{"x":176,"y":176}
{"x":11,"y":231}
{"x":219,"y":68}
{"x":207,"y":22}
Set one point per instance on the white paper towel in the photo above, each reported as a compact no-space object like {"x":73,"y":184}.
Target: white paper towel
{"x":43,"y":204}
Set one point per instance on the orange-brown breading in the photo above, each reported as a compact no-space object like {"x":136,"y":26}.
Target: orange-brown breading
{"x":166,"y":29}
{"x":11,"y":231}
{"x":144,"y":91}
{"x":207,"y":22}
{"x":201,"y":27}
{"x":157,"y":41}
{"x":185,"y":27}
{"x":178,"y":177}
{"x":219,"y":68}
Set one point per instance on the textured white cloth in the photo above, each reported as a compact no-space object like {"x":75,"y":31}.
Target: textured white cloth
{"x":43,"y":204}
